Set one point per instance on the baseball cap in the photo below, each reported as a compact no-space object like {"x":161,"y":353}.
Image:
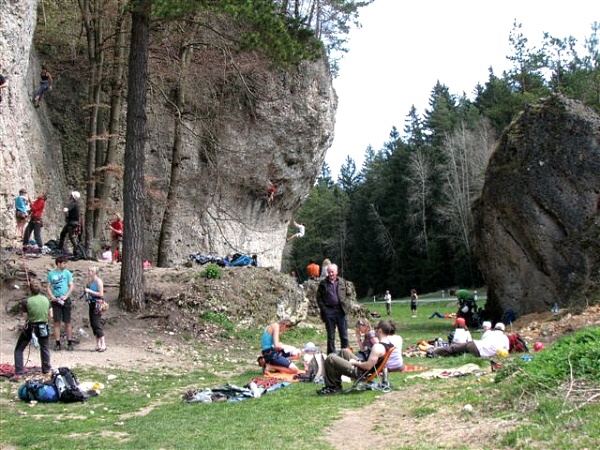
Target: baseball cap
{"x":500,"y":326}
{"x":76,"y":195}
{"x":486,"y":324}
{"x":460,"y":322}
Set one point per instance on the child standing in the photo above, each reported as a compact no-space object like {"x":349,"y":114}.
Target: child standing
{"x":413,"y":302}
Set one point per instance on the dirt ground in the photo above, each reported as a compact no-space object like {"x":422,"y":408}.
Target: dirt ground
{"x":159,"y":338}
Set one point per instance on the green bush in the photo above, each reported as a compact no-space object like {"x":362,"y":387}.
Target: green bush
{"x":212,"y":271}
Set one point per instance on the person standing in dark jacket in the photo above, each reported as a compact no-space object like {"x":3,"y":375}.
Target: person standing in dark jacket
{"x":333,"y":299}
{"x":72,"y":222}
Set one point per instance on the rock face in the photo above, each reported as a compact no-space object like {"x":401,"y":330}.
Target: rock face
{"x":537,"y":221}
{"x":30,"y":153}
{"x":241,"y":124}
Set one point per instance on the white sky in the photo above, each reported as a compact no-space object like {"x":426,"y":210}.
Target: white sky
{"x":404,"y":47}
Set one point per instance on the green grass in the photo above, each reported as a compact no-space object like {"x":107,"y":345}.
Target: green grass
{"x":145,"y":409}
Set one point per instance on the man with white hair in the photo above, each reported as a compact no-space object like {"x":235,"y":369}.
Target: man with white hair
{"x":333,"y":299}
{"x":483,"y":348}
{"x":72,"y":222}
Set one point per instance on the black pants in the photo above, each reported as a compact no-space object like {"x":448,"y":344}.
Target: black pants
{"x":68,"y":229}
{"x":335,"y":318}
{"x":23,"y":342}
{"x":95,"y":321}
{"x":36,"y":228}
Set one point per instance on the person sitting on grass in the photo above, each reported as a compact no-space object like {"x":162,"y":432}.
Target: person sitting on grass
{"x":461,"y":335}
{"x":277,"y":355}
{"x":366,"y":338}
{"x":346,"y":363}
{"x":482,"y":348}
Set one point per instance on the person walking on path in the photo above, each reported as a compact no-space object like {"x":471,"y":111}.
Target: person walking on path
{"x":414,"y":298}
{"x":333,"y":299}
{"x":72,"y":222}
{"x":388,"y":302}
{"x":36,"y":311}
{"x":45,"y":85}
{"x":95,"y":293}
{"x":21,"y":213}
{"x":36,"y":222}
{"x":60,"y":287}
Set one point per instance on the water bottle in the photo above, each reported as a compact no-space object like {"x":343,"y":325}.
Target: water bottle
{"x":34,"y":340}
{"x":84,"y":333}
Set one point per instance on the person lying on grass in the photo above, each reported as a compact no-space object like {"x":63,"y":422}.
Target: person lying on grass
{"x":487,"y":347}
{"x":347,"y":364}
{"x":278,"y":355}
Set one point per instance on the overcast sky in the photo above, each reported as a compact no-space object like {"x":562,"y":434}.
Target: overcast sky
{"x":404,"y":48}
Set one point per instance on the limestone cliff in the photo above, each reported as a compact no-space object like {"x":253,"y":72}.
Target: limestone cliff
{"x":30,"y":154}
{"x":242,"y":123}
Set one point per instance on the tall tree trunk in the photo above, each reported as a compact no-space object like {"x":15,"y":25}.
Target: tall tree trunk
{"x":166,"y":230}
{"x":131,"y":293}
{"x":92,"y":12}
{"x":108,"y":170}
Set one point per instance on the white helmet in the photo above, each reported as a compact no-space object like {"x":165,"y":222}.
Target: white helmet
{"x":76,"y":195}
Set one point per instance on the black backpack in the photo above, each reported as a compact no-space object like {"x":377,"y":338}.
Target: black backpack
{"x":67,"y":386}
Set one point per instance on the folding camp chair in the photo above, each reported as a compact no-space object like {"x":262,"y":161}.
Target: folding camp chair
{"x":375,"y":378}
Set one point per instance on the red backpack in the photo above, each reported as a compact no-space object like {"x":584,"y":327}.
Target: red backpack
{"x":517,"y":344}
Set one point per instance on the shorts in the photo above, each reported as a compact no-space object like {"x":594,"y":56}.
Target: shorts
{"x":276,"y":358}
{"x":21,"y":216}
{"x":62,"y":313}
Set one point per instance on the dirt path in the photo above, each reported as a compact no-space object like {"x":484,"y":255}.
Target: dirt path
{"x":132,"y":343}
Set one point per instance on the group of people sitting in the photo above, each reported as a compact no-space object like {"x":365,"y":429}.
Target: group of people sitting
{"x":373,"y":344}
{"x":492,"y":341}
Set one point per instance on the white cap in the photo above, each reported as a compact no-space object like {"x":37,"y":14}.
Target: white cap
{"x":500,"y":326}
{"x":486,"y":324}
{"x":310,"y":347}
{"x":76,"y":195}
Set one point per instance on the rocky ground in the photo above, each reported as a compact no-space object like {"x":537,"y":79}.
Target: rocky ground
{"x":161,"y":335}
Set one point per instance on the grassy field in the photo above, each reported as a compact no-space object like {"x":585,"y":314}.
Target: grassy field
{"x":557,"y":390}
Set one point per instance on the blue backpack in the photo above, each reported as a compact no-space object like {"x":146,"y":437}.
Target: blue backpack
{"x":39,"y":392}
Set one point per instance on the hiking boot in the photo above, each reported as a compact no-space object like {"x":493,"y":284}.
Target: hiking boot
{"x":70,"y":347}
{"x":329,"y":391}
{"x":56,"y":347}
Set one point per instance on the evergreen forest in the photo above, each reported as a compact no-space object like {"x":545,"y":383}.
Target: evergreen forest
{"x":403,"y":220}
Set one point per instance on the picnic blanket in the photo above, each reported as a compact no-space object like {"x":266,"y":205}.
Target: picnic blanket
{"x":411,"y":368}
{"x":467,"y":369}
{"x":283,"y":376}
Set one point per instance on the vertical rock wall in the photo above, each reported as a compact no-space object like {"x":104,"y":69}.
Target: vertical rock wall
{"x":30,"y":155}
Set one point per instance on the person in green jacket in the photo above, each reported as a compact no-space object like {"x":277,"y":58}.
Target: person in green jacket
{"x":37,"y":312}
{"x":467,"y":305}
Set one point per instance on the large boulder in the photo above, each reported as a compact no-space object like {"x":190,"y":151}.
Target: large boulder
{"x":537,"y":232}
